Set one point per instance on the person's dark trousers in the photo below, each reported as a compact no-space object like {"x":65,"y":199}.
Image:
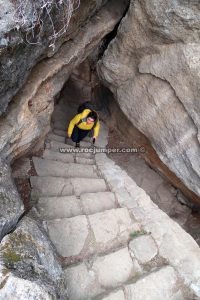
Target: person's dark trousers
{"x":78,"y":134}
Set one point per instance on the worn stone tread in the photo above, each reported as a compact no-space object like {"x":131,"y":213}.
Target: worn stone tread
{"x":55,"y":146}
{"x":57,"y":156}
{"x":70,"y":206}
{"x":58,"y":207}
{"x":158,"y":284}
{"x":46,"y":167}
{"x":97,"y":202}
{"x":116,"y":295}
{"x":85,"y":281}
{"x":62,"y":133}
{"x":68,"y":157}
{"x":83,"y":143}
{"x":55,"y":137}
{"x":105,"y":231}
{"x":61,"y":138}
{"x":58,"y":186}
{"x":84,"y":160}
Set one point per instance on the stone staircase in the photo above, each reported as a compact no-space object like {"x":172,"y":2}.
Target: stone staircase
{"x":93,"y":220}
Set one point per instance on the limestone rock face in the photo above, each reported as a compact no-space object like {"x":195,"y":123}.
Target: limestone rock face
{"x":153,"y":69}
{"x":20,"y":51}
{"x":30,"y":112}
{"x":29,"y":268}
{"x":11,"y":206}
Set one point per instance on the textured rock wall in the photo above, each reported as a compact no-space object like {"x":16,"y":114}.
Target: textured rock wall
{"x":29,"y":267}
{"x":11,"y":206}
{"x":134,"y":138}
{"x":19,"y":54}
{"x":153,"y":69}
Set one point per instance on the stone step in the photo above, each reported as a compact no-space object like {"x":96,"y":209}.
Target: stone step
{"x":97,"y":202}
{"x":54,"y":145}
{"x":67,"y":157}
{"x":88,"y":280}
{"x":82,"y":152}
{"x":87,"y":139}
{"x":160,"y":284}
{"x":82,"y":143}
{"x":57,"y":156}
{"x":59,"y":148}
{"x":55,"y":137}
{"x":62,"y":133}
{"x":84,"y":160}
{"x":81,"y":236}
{"x":47,"y":167}
{"x":63,"y":113}
{"x":70,"y":206}
{"x":111,"y":274}
{"x":115,"y":295}
{"x":58,"y":207}
{"x":60,"y":126}
{"x":58,"y":186}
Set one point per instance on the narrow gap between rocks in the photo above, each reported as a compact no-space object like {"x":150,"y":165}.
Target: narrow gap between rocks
{"x":111,"y":36}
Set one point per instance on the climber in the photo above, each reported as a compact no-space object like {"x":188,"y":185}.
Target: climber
{"x":83,"y":123}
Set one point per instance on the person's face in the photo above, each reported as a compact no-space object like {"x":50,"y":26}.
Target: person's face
{"x":90,"y":120}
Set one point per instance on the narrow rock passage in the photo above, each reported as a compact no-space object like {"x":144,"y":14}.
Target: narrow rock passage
{"x":114,"y":242}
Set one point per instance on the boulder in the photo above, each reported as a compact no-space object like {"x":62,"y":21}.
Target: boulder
{"x":11,"y":205}
{"x":153,"y":69}
{"x":21,"y":48}
{"x":29,"y":267}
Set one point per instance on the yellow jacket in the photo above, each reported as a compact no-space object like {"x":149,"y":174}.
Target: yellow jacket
{"x":83,"y":125}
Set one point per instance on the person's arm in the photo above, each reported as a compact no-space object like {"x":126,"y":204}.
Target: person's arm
{"x":72,"y":123}
{"x":96,"y":129}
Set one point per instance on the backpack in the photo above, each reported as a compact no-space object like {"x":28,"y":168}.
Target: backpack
{"x":86,"y":105}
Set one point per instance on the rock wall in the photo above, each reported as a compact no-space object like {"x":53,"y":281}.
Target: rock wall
{"x":20,"y":51}
{"x":134,"y":138}
{"x":152,"y":67}
{"x":11,"y":205}
{"x":29,"y":266}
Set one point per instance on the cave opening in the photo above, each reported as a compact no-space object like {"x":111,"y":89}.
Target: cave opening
{"x":84,"y":85}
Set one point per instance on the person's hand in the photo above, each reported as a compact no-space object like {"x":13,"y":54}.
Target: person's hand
{"x":94,"y":139}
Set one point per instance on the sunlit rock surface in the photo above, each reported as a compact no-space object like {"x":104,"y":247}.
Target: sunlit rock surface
{"x":153,"y":69}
